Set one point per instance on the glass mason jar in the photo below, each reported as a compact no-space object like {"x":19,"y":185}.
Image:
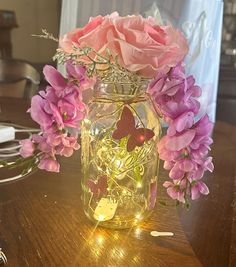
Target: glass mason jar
{"x":119,"y":156}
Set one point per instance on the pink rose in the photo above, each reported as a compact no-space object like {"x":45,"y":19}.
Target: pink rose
{"x":27,"y":148}
{"x":140,"y":45}
{"x":72,"y":38}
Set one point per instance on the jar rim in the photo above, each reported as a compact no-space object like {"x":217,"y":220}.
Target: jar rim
{"x":120,"y":89}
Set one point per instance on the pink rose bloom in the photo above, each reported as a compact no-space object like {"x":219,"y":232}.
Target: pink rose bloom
{"x":72,"y":38}
{"x":140,"y":45}
{"x":27,"y":148}
{"x":50,"y":165}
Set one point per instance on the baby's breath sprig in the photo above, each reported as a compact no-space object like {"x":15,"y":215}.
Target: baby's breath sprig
{"x":104,"y":66}
{"x":85,"y":56}
{"x":46,"y":35}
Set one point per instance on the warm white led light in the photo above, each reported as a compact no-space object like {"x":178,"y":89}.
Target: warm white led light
{"x":86,"y":121}
{"x":139,"y":185}
{"x":101,"y":217}
{"x":100,"y":239}
{"x":118,"y":163}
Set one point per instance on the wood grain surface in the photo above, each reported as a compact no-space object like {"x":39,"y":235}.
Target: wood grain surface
{"x":42,"y":221}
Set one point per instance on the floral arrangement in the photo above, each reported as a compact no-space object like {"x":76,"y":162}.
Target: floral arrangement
{"x":131,"y":49}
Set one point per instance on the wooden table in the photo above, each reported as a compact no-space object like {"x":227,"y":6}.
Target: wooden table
{"x":42,"y":221}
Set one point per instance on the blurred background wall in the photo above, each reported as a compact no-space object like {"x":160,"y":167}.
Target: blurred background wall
{"x":31,"y":16}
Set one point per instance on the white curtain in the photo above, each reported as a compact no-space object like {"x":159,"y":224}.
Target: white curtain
{"x":200,"y":20}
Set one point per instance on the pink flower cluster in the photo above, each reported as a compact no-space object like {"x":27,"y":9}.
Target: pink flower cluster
{"x":185,"y":147}
{"x":59,"y":111}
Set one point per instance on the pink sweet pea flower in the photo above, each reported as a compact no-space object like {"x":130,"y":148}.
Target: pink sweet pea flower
{"x":54,"y":77}
{"x":61,"y":86}
{"x":203,"y":165}
{"x":164,"y":153}
{"x":63,"y":145}
{"x":174,"y":95}
{"x":77,"y":73}
{"x":181,"y":123}
{"x":185,"y":147}
{"x":176,"y":173}
{"x":53,"y":112}
{"x":27,"y":148}
{"x":180,"y":141}
{"x":198,"y":188}
{"x":39,"y":114}
{"x":174,"y":191}
{"x":50,"y":165}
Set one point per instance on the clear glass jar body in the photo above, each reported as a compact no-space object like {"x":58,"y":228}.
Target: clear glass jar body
{"x":119,"y":156}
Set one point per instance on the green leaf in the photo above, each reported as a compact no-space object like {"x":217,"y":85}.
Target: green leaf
{"x":187,"y":205}
{"x":177,"y":203}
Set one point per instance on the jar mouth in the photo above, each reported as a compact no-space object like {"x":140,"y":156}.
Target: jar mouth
{"x":120,"y":90}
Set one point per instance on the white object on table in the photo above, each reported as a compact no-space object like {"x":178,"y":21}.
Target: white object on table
{"x":157,"y":234}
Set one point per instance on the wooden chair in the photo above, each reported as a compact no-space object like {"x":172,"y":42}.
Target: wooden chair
{"x":18,"y":79}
